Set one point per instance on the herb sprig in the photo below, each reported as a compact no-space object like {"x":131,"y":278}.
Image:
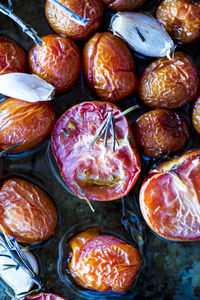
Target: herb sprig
{"x":8,"y":149}
{"x":84,"y":195}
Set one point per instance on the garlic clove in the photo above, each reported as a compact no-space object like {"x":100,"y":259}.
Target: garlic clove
{"x":143,"y":33}
{"x":27,"y":87}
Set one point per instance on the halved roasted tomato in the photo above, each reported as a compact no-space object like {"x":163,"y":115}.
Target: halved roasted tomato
{"x":45,"y":296}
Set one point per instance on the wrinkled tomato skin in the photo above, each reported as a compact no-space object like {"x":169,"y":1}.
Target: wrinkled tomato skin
{"x":103,"y":262}
{"x":45,"y":296}
{"x":109,"y":68}
{"x":57,"y":61}
{"x":123,"y":5}
{"x":103,"y":174}
{"x":61,"y":22}
{"x":169,"y":83}
{"x":181,"y":19}
{"x":24,"y":123}
{"x":169,"y":198}
{"x":12,"y":56}
{"x":196,"y":115}
{"x":27,"y":212}
{"x":160,"y":132}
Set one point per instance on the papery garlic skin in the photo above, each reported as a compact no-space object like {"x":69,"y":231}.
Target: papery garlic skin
{"x":143,"y":33}
{"x":27,"y":87}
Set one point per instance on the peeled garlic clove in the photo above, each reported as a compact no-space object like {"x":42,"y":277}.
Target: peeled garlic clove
{"x":143,"y":33}
{"x":27,"y":87}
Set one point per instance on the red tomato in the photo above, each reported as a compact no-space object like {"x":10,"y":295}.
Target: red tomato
{"x":103,"y":174}
{"x":44,"y":296}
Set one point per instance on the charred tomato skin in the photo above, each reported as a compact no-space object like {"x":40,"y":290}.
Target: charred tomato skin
{"x":61,"y":22}
{"x":103,"y":262}
{"x":123,"y":5}
{"x":169,"y":198}
{"x":13,"y":58}
{"x":109,"y":68}
{"x":103,"y":174}
{"x":24,"y":123}
{"x":57,"y":61}
{"x":196,"y":115}
{"x":169,"y":83}
{"x":160,"y":132}
{"x":181,"y":19}
{"x":27,"y":212}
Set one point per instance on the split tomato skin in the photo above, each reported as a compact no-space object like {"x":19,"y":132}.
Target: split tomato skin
{"x":62,"y":23}
{"x":103,"y":174}
{"x":123,"y":5}
{"x":169,"y":198}
{"x":109,"y":68}
{"x":169,"y":83}
{"x":24,"y":123}
{"x":196,"y":115}
{"x":13,"y":58}
{"x":45,"y":296}
{"x":103,"y":262}
{"x":57,"y":61}
{"x":27,"y":212}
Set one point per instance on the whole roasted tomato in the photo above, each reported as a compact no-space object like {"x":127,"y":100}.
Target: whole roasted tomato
{"x":181,"y":19}
{"x":120,"y":5}
{"x":57,"y":61}
{"x":169,"y":198}
{"x":27,"y":212}
{"x":196,"y":115}
{"x":103,"y":262}
{"x":169,"y":83}
{"x":24,"y":123}
{"x":12,"y":56}
{"x":100,"y":171}
{"x":61,"y":22}
{"x":45,"y":296}
{"x":109,"y":67}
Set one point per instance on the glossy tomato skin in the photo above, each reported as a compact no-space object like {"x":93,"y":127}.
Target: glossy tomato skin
{"x":169,"y":83}
{"x":109,"y":68}
{"x":181,"y":19}
{"x":24,"y":123}
{"x":103,"y":174}
{"x":160,"y":132}
{"x":45,"y":296}
{"x":12,"y":56}
{"x":169,"y":198}
{"x":123,"y":5}
{"x":61,"y":22}
{"x":196,"y":115}
{"x":57,"y":61}
{"x":27,"y":212}
{"x":103,"y":262}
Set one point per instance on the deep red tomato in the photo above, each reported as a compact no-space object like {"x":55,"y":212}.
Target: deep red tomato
{"x":103,"y":174}
{"x":44,"y":296}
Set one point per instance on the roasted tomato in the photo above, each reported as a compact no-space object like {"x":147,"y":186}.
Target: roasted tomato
{"x":169,"y":198}
{"x":103,"y":174}
{"x":103,"y":262}
{"x":181,"y":18}
{"x":44,"y":296}
{"x":24,"y":123}
{"x":109,"y":67}
{"x":57,"y":61}
{"x":196,"y":115}
{"x":120,"y":5}
{"x":169,"y":83}
{"x":27,"y":212}
{"x":161,"y":131}
{"x":12,"y":56}
{"x":61,"y":22}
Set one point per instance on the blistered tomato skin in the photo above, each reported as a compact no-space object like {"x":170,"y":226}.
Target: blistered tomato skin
{"x":12,"y":56}
{"x":103,"y":262}
{"x":123,"y":5}
{"x":27,"y":212}
{"x":57,"y":61}
{"x":109,"y":68}
{"x":160,"y":132}
{"x":24,"y":123}
{"x":103,"y":174}
{"x":45,"y":296}
{"x":60,"y":21}
{"x":196,"y":115}
{"x":181,"y":19}
{"x":169,"y":198}
{"x":169,"y":83}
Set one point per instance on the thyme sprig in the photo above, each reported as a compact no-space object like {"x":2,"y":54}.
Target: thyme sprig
{"x":9,"y":149}
{"x":85,"y":197}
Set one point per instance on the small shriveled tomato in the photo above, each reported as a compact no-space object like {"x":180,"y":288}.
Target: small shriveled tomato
{"x":103,"y":262}
{"x":103,"y":174}
{"x":120,"y":5}
{"x":12,"y":56}
{"x":57,"y":61}
{"x":45,"y":296}
{"x":27,"y":212}
{"x":196,"y":115}
{"x":24,"y":123}
{"x":169,"y":198}
{"x":109,"y":68}
{"x":169,"y":83}
{"x":62,"y":23}
{"x":181,"y":19}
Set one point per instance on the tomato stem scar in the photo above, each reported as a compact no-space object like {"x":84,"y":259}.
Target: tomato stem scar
{"x":85,"y":197}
